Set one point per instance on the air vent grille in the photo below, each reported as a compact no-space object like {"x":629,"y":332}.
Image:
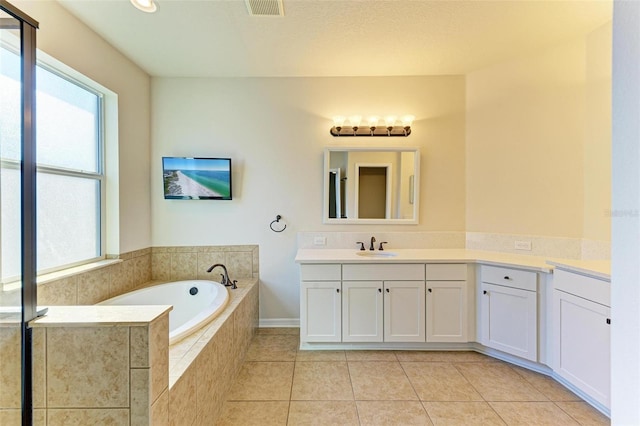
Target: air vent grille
{"x":265,"y":7}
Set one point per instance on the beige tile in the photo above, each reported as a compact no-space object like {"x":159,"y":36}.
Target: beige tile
{"x":141,"y":269}
{"x":105,"y":416}
{"x":39,"y":367}
{"x":404,"y":413}
{"x":161,"y":266}
{"x":209,"y":386}
{"x":254,"y":413}
{"x":371,"y":356}
{"x":140,"y":398}
{"x":546,"y":385}
{"x":10,"y":417}
{"x":160,"y":410}
{"x":321,"y":356}
{"x":183,"y":266}
{"x":121,"y":279}
{"x":321,"y":381}
{"x":499,"y":382}
{"x":435,"y":381}
{"x":462,"y":414}
{"x":323,"y":413}
{"x":584,"y":414}
{"x":273,"y":347}
{"x":182,"y":399}
{"x":10,"y":370}
{"x":532,"y":413}
{"x":279,"y":330}
{"x":240,"y":264}
{"x":379,"y":380}
{"x":139,"y":346}
{"x":263,"y":381}
{"x":205,"y":261}
{"x":93,"y":287}
{"x":61,"y":292}
{"x":439,"y":356}
{"x":159,"y":355}
{"x":88,"y":367}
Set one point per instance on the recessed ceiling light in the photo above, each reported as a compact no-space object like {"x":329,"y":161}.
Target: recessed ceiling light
{"x":148,"y":6}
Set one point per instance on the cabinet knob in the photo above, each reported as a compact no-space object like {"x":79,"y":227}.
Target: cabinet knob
{"x":379,"y":290}
{"x":429,"y":290}
{"x":484,"y":291}
{"x":337,"y":290}
{"x":506,"y":277}
{"x":608,"y":320}
{"x":387,"y":290}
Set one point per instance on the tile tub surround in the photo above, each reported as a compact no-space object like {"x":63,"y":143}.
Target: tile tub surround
{"x":192,"y":262}
{"x":100,"y":365}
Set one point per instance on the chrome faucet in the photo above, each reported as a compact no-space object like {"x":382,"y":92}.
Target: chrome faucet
{"x":225,"y":281}
{"x":373,"y":240}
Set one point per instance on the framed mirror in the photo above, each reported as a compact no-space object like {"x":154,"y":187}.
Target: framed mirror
{"x":371,"y":185}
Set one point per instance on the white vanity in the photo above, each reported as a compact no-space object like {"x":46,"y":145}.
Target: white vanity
{"x":504,"y":305}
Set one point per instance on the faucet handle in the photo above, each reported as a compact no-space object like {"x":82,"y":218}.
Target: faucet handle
{"x":381,"y":243}
{"x":361,"y":245}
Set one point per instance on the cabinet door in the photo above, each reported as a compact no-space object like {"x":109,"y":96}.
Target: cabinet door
{"x":508,"y":320}
{"x":362,"y":311}
{"x":582,"y":347}
{"x":447,"y":311}
{"x":320,"y":311}
{"x":404,"y":313}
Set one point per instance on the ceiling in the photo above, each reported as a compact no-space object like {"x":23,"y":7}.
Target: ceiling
{"x":216,"y":38}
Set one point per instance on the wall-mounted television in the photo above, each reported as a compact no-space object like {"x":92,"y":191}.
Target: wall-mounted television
{"x":188,"y":178}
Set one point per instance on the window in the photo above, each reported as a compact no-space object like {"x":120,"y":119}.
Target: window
{"x":70,"y":178}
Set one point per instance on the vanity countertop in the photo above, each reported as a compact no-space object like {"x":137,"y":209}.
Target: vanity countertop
{"x":534,"y":263}
{"x":600,"y":269}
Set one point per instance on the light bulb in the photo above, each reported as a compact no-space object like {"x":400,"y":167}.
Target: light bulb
{"x":390,"y":120}
{"x":407,"y":120}
{"x":355,"y":120}
{"x":373,"y":121}
{"x":145,"y":5}
{"x":338,"y":121}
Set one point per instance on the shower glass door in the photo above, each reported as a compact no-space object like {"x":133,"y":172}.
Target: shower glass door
{"x":17,"y":205}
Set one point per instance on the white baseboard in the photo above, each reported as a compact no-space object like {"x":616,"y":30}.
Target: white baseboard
{"x":279,"y":322}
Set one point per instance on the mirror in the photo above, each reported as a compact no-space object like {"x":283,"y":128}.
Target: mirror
{"x":371,"y":185}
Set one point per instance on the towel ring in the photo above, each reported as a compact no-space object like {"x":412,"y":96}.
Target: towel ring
{"x":277,"y":220}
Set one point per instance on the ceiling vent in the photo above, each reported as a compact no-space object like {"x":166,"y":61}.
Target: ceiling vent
{"x":265,"y":7}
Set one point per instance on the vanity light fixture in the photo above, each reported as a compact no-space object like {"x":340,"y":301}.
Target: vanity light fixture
{"x":373,"y":129}
{"x":148,"y":6}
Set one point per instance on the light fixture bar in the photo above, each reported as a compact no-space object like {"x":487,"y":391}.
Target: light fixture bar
{"x":374,"y":128}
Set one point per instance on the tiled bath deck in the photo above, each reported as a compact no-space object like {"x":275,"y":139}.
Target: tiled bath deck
{"x":279,"y":385}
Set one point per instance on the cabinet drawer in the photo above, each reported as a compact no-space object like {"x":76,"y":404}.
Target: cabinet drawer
{"x":508,"y":277}
{"x":382,"y":272}
{"x":447,"y":272}
{"x":593,"y":289}
{"x":320,"y":272}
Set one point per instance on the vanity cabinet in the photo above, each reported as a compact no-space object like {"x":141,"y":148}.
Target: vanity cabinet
{"x":321,"y":303}
{"x":582,"y":333}
{"x":383,"y":303}
{"x":508,"y":311}
{"x":446,"y":303}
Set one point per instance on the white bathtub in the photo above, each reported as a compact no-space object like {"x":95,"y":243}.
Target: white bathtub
{"x":190,"y":311}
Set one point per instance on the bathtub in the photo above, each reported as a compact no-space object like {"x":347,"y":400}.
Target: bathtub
{"x":195,"y":303}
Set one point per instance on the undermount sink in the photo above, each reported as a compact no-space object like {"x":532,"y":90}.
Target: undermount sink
{"x":376,"y":253}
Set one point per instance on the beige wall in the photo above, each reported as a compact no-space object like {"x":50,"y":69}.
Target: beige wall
{"x":68,"y":40}
{"x":538,"y":142}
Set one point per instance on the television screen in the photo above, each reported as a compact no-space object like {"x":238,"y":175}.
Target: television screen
{"x":196,"y":178}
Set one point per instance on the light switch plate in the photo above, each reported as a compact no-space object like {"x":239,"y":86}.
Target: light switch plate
{"x":523,"y":245}
{"x":319,"y":241}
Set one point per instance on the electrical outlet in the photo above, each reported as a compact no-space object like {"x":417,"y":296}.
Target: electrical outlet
{"x":523,"y":245}
{"x":319,"y":241}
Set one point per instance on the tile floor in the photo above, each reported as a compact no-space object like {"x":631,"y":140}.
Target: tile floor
{"x":279,"y":385}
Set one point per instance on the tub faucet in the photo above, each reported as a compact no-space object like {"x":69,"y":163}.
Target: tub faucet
{"x":225,"y":281}
{"x":373,"y":240}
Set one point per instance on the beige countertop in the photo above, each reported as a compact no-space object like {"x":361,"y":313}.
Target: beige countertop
{"x":534,"y":263}
{"x":100,"y":316}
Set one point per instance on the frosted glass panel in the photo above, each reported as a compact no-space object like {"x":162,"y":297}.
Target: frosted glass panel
{"x":67,"y":123}
{"x":68,"y":222}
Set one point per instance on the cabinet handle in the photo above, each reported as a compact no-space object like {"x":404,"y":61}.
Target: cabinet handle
{"x":484,"y":291}
{"x":507,"y":277}
{"x":387,"y":290}
{"x":608,"y":320}
{"x":429,"y":290}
